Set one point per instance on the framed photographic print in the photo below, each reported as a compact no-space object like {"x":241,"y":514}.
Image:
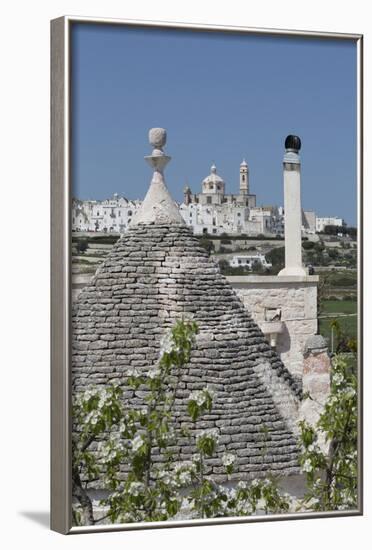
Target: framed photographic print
{"x":206,"y":274}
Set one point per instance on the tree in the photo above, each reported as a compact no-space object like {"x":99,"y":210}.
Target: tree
{"x":207,"y":244}
{"x":323,"y":292}
{"x":332,"y":474}
{"x":107,"y":434}
{"x":344,"y":343}
{"x":276,"y":257}
{"x":308,"y":245}
{"x":224,"y":265}
{"x":82,"y":246}
{"x":151,"y":490}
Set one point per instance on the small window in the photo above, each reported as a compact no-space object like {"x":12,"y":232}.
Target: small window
{"x":129,"y":212}
{"x":211,"y":186}
{"x":209,"y":200}
{"x":243,"y":177}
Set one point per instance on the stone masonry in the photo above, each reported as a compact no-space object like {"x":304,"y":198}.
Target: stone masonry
{"x":155,"y":274}
{"x":296,"y":299}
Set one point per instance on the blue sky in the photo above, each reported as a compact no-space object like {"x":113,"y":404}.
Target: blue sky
{"x":221,"y":97}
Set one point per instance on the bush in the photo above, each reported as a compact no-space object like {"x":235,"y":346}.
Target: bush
{"x":207,"y":244}
{"x":82,"y":246}
{"x":276,"y":256}
{"x":332,"y":476}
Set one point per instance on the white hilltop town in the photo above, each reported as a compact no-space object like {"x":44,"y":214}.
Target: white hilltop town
{"x":212,"y":211}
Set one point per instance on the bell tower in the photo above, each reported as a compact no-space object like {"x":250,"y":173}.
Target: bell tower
{"x":244,"y":179}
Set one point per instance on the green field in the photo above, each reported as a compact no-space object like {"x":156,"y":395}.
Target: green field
{"x":348,"y":324}
{"x":338,"y":283}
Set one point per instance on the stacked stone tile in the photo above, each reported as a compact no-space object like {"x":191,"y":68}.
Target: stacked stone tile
{"x":157,"y":273}
{"x":154,"y":275}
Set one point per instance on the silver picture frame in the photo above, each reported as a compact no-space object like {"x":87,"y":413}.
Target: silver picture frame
{"x":61,"y":490}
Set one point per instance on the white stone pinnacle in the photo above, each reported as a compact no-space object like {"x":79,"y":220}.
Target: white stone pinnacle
{"x":158,"y":206}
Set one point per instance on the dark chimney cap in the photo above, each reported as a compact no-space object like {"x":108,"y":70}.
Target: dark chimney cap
{"x":292,"y":142}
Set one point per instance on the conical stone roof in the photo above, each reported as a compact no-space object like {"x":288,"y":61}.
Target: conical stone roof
{"x":154,"y":275}
{"x":157,"y":273}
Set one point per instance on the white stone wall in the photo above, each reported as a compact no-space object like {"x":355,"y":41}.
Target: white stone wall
{"x":296,"y":297}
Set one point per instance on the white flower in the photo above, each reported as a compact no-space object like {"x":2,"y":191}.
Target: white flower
{"x":185,"y":477}
{"x":228,"y":459}
{"x":135,"y":488}
{"x":137,"y":443}
{"x":166,"y":344}
{"x":154,"y":373}
{"x":133,"y":373}
{"x":337,"y":378}
{"x":198,"y":396}
{"x":201,"y":396}
{"x":350,"y":393}
{"x":332,"y":400}
{"x":211,"y":433}
{"x":307,"y":467}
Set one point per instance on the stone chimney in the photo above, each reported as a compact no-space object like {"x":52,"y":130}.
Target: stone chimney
{"x":292,"y":208}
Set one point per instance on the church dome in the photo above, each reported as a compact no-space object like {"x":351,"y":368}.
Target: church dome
{"x":213,"y":176}
{"x":244,"y":163}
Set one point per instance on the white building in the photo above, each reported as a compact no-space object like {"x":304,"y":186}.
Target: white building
{"x":321,"y":223}
{"x":212,"y":211}
{"x":215,"y":212}
{"x":110,"y":215}
{"x":249,"y":261}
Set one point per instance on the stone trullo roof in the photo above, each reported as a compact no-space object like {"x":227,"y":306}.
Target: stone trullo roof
{"x":156,"y":273}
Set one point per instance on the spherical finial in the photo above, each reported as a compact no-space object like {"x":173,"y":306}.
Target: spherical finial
{"x":213,"y":169}
{"x":157,"y":137}
{"x":292,"y":142}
